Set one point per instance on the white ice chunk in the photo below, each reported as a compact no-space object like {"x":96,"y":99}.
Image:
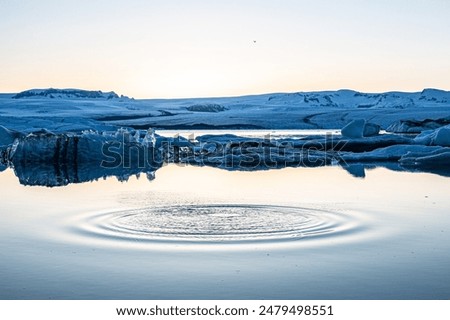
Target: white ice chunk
{"x":354,"y":129}
{"x":442,"y":137}
{"x":438,"y":137}
{"x":360,"y":128}
{"x":149,"y":139}
{"x":371,"y":129}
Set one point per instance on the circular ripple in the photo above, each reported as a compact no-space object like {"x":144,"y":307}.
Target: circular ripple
{"x":219,"y":224}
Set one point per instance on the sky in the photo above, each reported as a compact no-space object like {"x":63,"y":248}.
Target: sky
{"x":189,"y":48}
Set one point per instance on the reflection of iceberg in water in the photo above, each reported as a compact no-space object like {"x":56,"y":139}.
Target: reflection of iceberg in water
{"x":358,"y":170}
{"x":49,"y":159}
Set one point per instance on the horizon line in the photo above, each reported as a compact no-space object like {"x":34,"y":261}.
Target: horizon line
{"x":229,"y":96}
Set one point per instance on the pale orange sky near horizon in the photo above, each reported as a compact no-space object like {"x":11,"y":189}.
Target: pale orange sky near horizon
{"x":174,"y":48}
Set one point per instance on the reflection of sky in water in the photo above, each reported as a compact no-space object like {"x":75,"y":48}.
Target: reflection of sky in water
{"x":400,"y":251}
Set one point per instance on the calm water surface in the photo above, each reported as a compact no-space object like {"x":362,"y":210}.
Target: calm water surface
{"x":294,"y":233}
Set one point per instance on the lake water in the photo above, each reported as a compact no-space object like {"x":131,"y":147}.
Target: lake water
{"x":206,"y":233}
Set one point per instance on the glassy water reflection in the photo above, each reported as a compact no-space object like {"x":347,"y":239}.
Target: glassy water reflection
{"x":200,"y":232}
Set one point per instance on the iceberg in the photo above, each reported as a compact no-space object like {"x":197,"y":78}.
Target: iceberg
{"x":49,"y":159}
{"x":442,"y":137}
{"x":437,"y":137}
{"x":417,"y":126}
{"x":360,"y":128}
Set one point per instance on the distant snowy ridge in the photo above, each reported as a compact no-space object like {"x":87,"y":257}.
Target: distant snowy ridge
{"x":66,"y":94}
{"x":354,"y":99}
{"x":63,"y":110}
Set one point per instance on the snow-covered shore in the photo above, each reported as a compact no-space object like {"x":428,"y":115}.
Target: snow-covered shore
{"x":72,"y":111}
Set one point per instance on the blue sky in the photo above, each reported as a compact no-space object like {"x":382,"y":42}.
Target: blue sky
{"x":175,"y":48}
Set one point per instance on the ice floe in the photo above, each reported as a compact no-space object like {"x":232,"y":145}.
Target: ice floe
{"x":360,"y":128}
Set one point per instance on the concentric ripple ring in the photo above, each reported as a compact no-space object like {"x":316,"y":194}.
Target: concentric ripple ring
{"x":218,"y":223}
